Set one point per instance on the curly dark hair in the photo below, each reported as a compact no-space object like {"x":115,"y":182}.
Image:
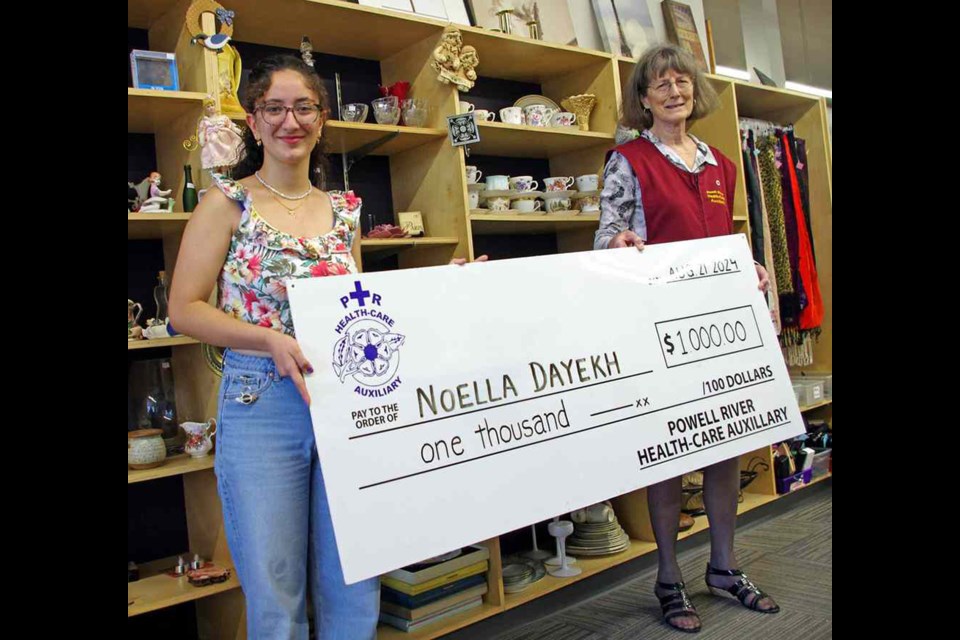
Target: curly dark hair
{"x":261,"y":76}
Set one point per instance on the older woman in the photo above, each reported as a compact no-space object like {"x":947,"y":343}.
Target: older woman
{"x":666,"y":186}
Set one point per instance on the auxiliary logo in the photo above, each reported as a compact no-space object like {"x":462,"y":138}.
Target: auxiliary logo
{"x":368,"y":350}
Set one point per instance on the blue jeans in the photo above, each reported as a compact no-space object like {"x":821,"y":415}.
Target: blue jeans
{"x":276,"y":514}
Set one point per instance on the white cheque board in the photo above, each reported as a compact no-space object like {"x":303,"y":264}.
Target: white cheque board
{"x":454,"y":404}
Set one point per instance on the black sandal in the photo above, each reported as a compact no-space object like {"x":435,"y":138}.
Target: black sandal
{"x":676,"y":603}
{"x":741,"y":590}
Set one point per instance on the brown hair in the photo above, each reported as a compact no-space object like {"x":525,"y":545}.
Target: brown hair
{"x":652,"y":64}
{"x":261,"y":77}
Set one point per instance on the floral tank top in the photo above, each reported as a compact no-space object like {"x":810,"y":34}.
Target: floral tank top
{"x":262,"y":260}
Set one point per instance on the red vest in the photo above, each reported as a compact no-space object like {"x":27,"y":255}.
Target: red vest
{"x":679,"y":205}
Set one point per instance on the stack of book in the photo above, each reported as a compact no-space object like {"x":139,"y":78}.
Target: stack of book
{"x":434,"y":589}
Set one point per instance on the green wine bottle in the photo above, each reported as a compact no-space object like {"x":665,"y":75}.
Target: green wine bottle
{"x":189,"y":191}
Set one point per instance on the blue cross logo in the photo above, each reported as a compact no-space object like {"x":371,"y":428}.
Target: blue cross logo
{"x":359,"y":294}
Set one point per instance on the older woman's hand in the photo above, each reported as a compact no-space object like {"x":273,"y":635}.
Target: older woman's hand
{"x":626,"y":239}
{"x":763,"y":277}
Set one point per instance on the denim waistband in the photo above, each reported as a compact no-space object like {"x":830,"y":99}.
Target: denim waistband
{"x":234,"y":360}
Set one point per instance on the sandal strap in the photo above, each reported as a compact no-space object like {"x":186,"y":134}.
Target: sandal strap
{"x":675,"y":603}
{"x":667,"y":617}
{"x":742,"y":589}
{"x":723,"y":572}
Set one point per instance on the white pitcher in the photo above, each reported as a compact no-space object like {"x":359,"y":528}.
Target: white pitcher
{"x":198,"y":437}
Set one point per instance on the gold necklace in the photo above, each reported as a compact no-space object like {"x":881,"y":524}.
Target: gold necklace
{"x":290,"y":211}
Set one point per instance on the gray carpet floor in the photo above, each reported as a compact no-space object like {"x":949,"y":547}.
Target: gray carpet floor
{"x":789,"y":555}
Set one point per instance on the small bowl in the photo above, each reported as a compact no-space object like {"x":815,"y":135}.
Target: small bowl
{"x":354,"y":112}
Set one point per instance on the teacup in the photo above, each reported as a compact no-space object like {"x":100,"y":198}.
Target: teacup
{"x":556,"y":204}
{"x":538,"y":115}
{"x":589,"y":203}
{"x":511,"y":115}
{"x":558,"y":183}
{"x":588,"y":182}
{"x":563,"y":119}
{"x":498,"y":183}
{"x":523,"y":183}
{"x":498,"y":204}
{"x":527,"y":205}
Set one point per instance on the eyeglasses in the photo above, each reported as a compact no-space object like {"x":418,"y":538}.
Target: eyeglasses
{"x":663,"y":88}
{"x":305,"y":113}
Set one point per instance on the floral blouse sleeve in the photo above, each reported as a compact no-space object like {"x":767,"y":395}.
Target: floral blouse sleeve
{"x":621,"y":207}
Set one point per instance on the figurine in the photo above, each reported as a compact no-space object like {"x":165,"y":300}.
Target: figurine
{"x":228,"y":60}
{"x":219,"y":137}
{"x":454,"y":63}
{"x":134,"y":330}
{"x":229,"y":66}
{"x":150,"y":196}
{"x":468,"y":64}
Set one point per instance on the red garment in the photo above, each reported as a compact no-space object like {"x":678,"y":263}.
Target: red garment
{"x":679,"y":205}
{"x":812,"y":315}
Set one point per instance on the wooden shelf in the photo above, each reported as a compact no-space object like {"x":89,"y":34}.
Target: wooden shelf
{"x":156,"y":590}
{"x":153,"y":226}
{"x":817,"y":405}
{"x":512,"y":224}
{"x":150,"y":111}
{"x":520,"y":141}
{"x":589,"y":566}
{"x":345,"y":137}
{"x":754,"y":500}
{"x":174,"y":466}
{"x":515,"y":57}
{"x":441,"y":627}
{"x":348,"y":29}
{"x":175,"y":341}
{"x":771,"y":103}
{"x":382,"y":247}
{"x":594,"y":565}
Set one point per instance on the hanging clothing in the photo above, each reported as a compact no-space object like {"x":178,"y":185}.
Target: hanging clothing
{"x":799,"y":151}
{"x":773,"y":295}
{"x":753,"y":203}
{"x":812,"y":312}
{"x":773,"y":199}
